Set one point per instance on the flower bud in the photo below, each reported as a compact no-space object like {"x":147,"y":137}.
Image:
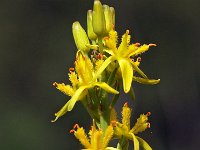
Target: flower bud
{"x":98,"y":19}
{"x":90,"y":32}
{"x":80,"y":37}
{"x":113,"y":15}
{"x":108,"y":18}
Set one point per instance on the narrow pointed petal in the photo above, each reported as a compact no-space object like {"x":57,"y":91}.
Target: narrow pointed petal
{"x":138,"y":70}
{"x":126,"y":115}
{"x":108,"y":135}
{"x":111,"y":148}
{"x":82,"y":137}
{"x":106,"y":87}
{"x":135,"y":141}
{"x":103,"y":67}
{"x":127,"y":73}
{"x":132,"y":94}
{"x":139,"y":50}
{"x":70,"y":104}
{"x":143,"y":143}
{"x":109,"y":51}
{"x":124,"y":44}
{"x":146,"y":81}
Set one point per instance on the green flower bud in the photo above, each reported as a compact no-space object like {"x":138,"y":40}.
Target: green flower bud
{"x":113,"y":15}
{"x":80,"y":37}
{"x":98,"y":19}
{"x":90,"y":32}
{"x":108,"y":18}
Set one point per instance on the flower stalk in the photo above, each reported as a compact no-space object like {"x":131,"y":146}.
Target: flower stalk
{"x":104,"y":65}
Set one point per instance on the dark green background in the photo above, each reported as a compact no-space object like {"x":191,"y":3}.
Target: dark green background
{"x":37,"y":48}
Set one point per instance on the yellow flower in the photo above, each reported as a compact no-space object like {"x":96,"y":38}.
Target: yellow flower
{"x":123,"y":129}
{"x":123,"y":55}
{"x":81,"y":82}
{"x":97,"y":140}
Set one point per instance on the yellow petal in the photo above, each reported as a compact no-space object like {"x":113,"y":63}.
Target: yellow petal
{"x":70,"y":104}
{"x":106,"y":87}
{"x":135,"y":141}
{"x":127,"y":73}
{"x":135,"y":67}
{"x":141,"y":124}
{"x":84,"y":68}
{"x":126,"y":115}
{"x":66,"y":89}
{"x":82,"y":137}
{"x":103,"y":67}
{"x":124,"y":44}
{"x":96,"y":142}
{"x":143,"y":143}
{"x":108,"y":135}
{"x":146,"y":81}
{"x":109,"y":51}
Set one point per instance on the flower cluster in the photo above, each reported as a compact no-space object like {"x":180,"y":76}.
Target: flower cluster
{"x":102,"y":67}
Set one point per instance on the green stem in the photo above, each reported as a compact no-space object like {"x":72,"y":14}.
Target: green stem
{"x":100,"y":43}
{"x":92,"y":113}
{"x":115,"y":97}
{"x":123,"y":143}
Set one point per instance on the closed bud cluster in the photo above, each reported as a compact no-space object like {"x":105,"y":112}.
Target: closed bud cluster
{"x":103,"y":19}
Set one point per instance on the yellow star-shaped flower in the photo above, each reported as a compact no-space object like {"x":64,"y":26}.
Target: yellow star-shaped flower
{"x":81,"y":82}
{"x":97,"y":140}
{"x":123,"y":55}
{"x":123,"y":129}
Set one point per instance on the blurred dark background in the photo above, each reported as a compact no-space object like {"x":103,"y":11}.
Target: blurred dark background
{"x":37,"y":48}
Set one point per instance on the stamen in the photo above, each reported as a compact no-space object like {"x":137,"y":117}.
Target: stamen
{"x":113,"y":26}
{"x":149,"y":125}
{"x":71,"y":70}
{"x":149,"y":113}
{"x":126,"y":104}
{"x":114,"y":123}
{"x":127,"y":31}
{"x":99,"y":56}
{"x":75,"y":126}
{"x":137,"y":44}
{"x":55,"y":84}
{"x":139,"y":59}
{"x":152,"y":45}
{"x":106,"y":38}
{"x":72,"y":131}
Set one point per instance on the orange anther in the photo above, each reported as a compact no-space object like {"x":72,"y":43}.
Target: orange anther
{"x":127,"y":31}
{"x":149,"y":125}
{"x":106,"y":38}
{"x":71,"y":131}
{"x":149,"y":113}
{"x":126,"y":104}
{"x":71,"y":69}
{"x":76,"y":126}
{"x":137,"y":44}
{"x":114,"y":123}
{"x":139,"y":59}
{"x":55,"y":84}
{"x":152,"y":45}
{"x":113,"y":26}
